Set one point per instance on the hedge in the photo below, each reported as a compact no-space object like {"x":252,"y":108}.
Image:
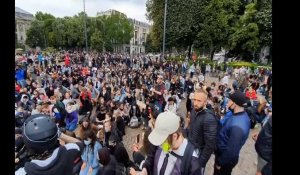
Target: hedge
{"x":234,"y":64}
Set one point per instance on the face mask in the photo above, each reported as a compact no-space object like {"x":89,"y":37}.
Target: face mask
{"x":166,"y":146}
{"x":87,"y":142}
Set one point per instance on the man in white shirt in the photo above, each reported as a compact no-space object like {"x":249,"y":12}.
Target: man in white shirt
{"x":225,"y":79}
{"x":201,"y":78}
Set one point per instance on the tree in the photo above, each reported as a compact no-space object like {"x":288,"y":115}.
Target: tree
{"x":219,"y":16}
{"x":264,"y":21}
{"x":68,"y":32}
{"x":118,"y":30}
{"x":59,"y":32}
{"x":47,"y":20}
{"x":155,"y":12}
{"x":35,"y":34}
{"x":184,"y":20}
{"x":97,"y":40}
{"x":246,"y":32}
{"x":149,"y":46}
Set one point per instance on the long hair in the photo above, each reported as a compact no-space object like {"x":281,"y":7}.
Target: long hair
{"x":121,"y":155}
{"x":82,"y":129}
{"x":104,"y":156}
{"x":90,"y":134}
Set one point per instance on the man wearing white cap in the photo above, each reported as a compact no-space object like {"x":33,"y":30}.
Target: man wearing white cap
{"x":171,"y":156}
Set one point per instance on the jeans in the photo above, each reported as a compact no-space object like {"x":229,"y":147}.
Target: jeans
{"x":158,"y":106}
{"x":22,"y":83}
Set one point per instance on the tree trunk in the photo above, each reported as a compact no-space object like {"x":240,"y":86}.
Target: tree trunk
{"x":190,"y":50}
{"x":212,"y":51}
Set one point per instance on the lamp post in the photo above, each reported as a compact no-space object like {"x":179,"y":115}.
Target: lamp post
{"x":86,"y":44}
{"x":164,"y":37}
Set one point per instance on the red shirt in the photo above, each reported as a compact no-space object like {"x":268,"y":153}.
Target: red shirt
{"x":17,"y":88}
{"x":83,"y":96}
{"x":67,"y":60}
{"x":251,"y":95}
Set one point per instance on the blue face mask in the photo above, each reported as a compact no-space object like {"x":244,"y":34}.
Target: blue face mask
{"x":87,"y":142}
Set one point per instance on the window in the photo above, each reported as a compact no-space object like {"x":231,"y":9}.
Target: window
{"x":21,"y":38}
{"x":21,"y":27}
{"x":135,"y":34}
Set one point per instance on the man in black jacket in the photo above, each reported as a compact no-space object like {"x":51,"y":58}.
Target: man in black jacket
{"x":263,"y":147}
{"x":203,"y":128}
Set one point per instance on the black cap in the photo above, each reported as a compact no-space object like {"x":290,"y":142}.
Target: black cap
{"x":238,"y":98}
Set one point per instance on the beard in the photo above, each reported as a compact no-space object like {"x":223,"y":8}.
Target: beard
{"x":198,"y":109}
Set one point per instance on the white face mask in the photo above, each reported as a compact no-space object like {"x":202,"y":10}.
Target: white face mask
{"x":87,"y":142}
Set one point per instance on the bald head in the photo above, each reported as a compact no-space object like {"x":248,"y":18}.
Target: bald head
{"x":200,"y":100}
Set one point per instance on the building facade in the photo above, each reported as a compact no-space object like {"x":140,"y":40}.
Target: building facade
{"x":110,"y":12}
{"x":141,"y":30}
{"x":23,"y":20}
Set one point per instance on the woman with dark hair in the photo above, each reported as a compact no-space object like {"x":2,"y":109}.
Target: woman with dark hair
{"x":123,"y":163}
{"x":84,"y":125}
{"x":89,"y":156}
{"x":108,"y":161}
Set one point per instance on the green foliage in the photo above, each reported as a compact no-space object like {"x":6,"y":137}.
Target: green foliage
{"x":118,"y":29}
{"x":246,"y":32}
{"x":68,"y":32}
{"x":264,"y":21}
{"x":97,"y":41}
{"x":219,"y":16}
{"x":50,"y":50}
{"x":241,"y":26}
{"x":35,"y":34}
{"x":155,"y":12}
{"x":149,"y":47}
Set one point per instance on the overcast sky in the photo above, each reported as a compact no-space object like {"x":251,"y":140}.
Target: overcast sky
{"x":60,"y":8}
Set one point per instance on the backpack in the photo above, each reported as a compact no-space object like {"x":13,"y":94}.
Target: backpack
{"x":134,"y":122}
{"x":251,"y":111}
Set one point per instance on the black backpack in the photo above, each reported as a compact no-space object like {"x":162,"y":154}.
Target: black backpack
{"x":251,"y":111}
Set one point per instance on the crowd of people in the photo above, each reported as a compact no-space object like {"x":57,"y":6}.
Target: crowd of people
{"x":85,"y":101}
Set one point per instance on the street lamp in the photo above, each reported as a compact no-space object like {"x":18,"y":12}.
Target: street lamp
{"x":86,"y":44}
{"x":164,"y":37}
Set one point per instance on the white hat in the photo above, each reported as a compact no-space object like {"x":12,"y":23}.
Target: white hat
{"x":166,"y":123}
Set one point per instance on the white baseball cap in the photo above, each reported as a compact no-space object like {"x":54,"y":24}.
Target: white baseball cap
{"x":166,"y":123}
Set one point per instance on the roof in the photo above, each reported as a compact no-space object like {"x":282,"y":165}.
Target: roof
{"x":19,"y":10}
